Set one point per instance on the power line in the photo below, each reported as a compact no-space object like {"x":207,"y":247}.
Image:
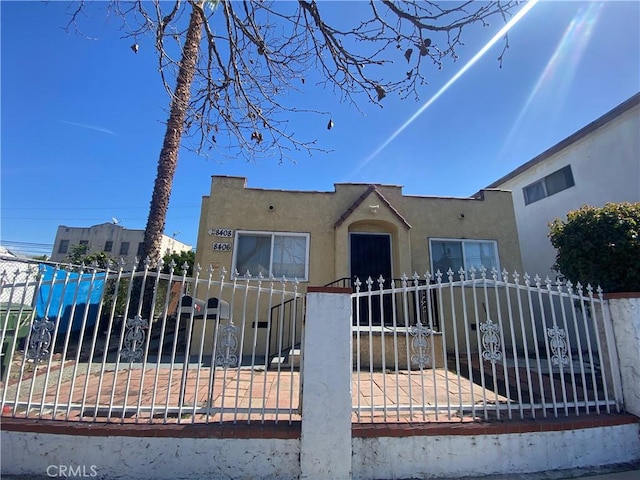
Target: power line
{"x":97,"y":208}
{"x":66,"y":219}
{"x":94,"y":219}
{"x":27,"y":248}
{"x":30,"y":244}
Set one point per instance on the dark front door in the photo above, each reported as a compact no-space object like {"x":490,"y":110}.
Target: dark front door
{"x":371,"y":257}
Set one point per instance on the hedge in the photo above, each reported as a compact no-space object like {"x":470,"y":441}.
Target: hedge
{"x":600,"y":246}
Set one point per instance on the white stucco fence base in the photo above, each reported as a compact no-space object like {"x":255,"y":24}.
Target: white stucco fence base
{"x":437,"y":456}
{"x":458,"y":456}
{"x":148,"y":458}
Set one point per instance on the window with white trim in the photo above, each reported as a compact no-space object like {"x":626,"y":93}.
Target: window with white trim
{"x":272,"y":253}
{"x":455,"y":254}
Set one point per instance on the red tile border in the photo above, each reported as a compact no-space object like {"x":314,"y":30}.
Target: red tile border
{"x":609,"y":296}
{"x":491,"y":428}
{"x":282,"y":430}
{"x":269,"y":430}
{"x":329,"y":290}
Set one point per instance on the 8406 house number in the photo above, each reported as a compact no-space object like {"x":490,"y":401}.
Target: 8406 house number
{"x":221,"y":247}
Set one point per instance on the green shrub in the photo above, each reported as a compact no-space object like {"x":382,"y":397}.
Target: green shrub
{"x":600,"y":246}
{"x":180,"y":258}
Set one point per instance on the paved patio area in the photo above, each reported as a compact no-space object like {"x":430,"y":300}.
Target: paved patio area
{"x":180,"y":395}
{"x":188,"y":393}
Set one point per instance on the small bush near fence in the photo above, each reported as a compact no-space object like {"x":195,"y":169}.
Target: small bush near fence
{"x":600,"y":246}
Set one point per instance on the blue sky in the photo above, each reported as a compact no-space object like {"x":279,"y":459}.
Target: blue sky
{"x":82,"y":119}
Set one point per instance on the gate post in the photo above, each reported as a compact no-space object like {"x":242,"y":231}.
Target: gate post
{"x":325,"y":440}
{"x":625,"y":317}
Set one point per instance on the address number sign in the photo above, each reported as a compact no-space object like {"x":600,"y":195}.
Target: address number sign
{"x":221,"y":232}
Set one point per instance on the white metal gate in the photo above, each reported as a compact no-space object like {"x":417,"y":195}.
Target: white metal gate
{"x":481,"y":344}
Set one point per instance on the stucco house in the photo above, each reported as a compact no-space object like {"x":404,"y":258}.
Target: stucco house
{"x":599,"y":163}
{"x":355,"y":231}
{"x":111,"y":238}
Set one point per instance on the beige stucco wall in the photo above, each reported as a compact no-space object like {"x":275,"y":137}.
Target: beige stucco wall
{"x":230,"y":205}
{"x":329,"y":217}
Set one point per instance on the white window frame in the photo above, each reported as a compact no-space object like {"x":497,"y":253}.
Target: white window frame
{"x":464,"y":259}
{"x":272,"y":234}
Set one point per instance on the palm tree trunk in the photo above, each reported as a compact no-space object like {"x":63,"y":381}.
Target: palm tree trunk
{"x":168,"y":160}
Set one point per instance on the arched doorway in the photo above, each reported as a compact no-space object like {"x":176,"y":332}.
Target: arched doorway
{"x":370,"y":257}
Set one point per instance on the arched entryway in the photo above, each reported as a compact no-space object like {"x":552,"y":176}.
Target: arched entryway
{"x":371,"y":256}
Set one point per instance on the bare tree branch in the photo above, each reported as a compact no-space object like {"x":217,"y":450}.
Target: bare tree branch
{"x":252,"y":54}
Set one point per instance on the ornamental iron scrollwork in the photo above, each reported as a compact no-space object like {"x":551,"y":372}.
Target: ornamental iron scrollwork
{"x":491,"y":341}
{"x":134,"y":339}
{"x":558,"y":346}
{"x":420,"y":345}
{"x":424,"y":304}
{"x":40,"y":340}
{"x":228,"y":344}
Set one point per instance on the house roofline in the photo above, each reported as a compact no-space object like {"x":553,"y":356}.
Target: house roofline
{"x":584,"y":131}
{"x":270,"y":189}
{"x":369,"y":187}
{"x":372,"y":188}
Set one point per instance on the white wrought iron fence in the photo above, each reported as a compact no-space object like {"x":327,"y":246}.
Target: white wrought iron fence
{"x":136,"y":346}
{"x":482,"y":345}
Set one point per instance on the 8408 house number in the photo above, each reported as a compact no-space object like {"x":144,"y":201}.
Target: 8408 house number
{"x":221,"y":232}
{"x":221,"y":247}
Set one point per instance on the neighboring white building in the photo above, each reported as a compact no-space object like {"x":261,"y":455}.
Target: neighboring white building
{"x":598,"y":164}
{"x":113,"y":239}
{"x":14,"y":275}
